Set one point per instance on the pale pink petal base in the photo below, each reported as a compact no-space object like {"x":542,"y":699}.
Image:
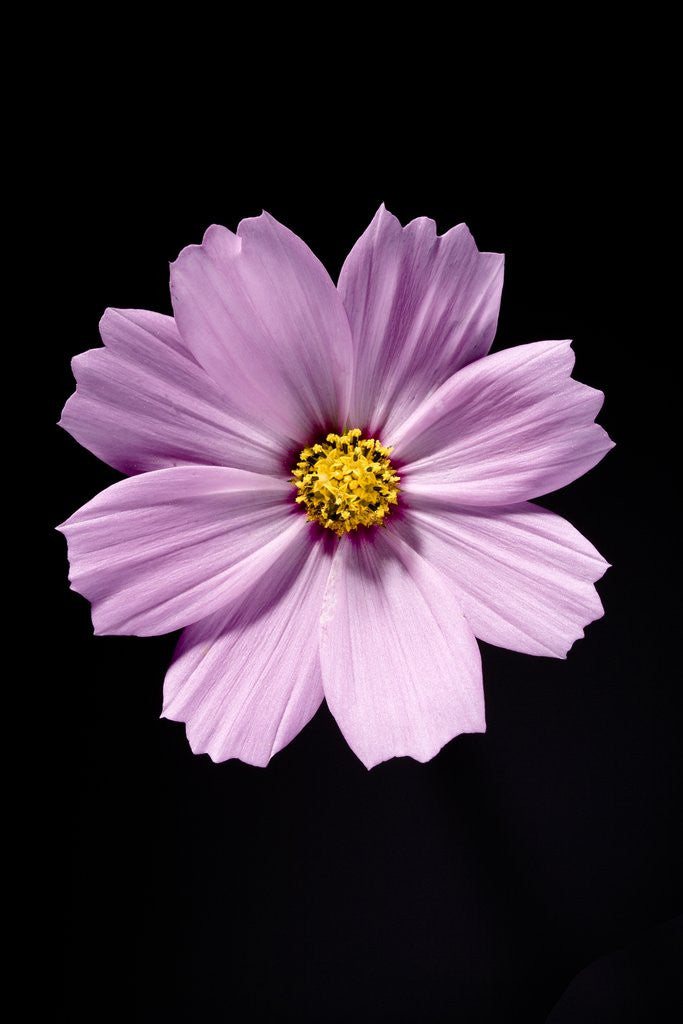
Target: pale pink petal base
{"x":164,"y":549}
{"x":143,"y":403}
{"x":247,"y":680}
{"x":401,"y":667}
{"x":510,"y":427}
{"x":523,"y":576}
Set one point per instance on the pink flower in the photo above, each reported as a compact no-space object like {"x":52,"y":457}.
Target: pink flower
{"x":329,"y":488}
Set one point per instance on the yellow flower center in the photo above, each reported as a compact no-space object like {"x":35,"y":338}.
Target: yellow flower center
{"x":346,"y":482}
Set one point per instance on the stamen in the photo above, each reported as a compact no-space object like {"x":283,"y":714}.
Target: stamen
{"x":346,"y":482}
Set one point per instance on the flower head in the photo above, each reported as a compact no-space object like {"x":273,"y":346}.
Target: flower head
{"x":329,"y":488}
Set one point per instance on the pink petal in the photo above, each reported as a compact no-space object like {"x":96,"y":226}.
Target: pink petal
{"x":512,"y":426}
{"x":401,"y":668}
{"x":522,"y":575}
{"x":263,"y":318}
{"x":143,"y":403}
{"x":420,"y":307}
{"x":162,"y":550}
{"x":247,"y":680}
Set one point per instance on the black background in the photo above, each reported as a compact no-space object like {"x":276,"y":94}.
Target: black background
{"x":474,"y":888}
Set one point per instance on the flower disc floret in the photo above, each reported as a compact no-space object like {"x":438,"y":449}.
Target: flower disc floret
{"x":346,"y":481}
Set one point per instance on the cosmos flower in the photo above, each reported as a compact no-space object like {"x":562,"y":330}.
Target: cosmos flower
{"x":329,"y":488}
